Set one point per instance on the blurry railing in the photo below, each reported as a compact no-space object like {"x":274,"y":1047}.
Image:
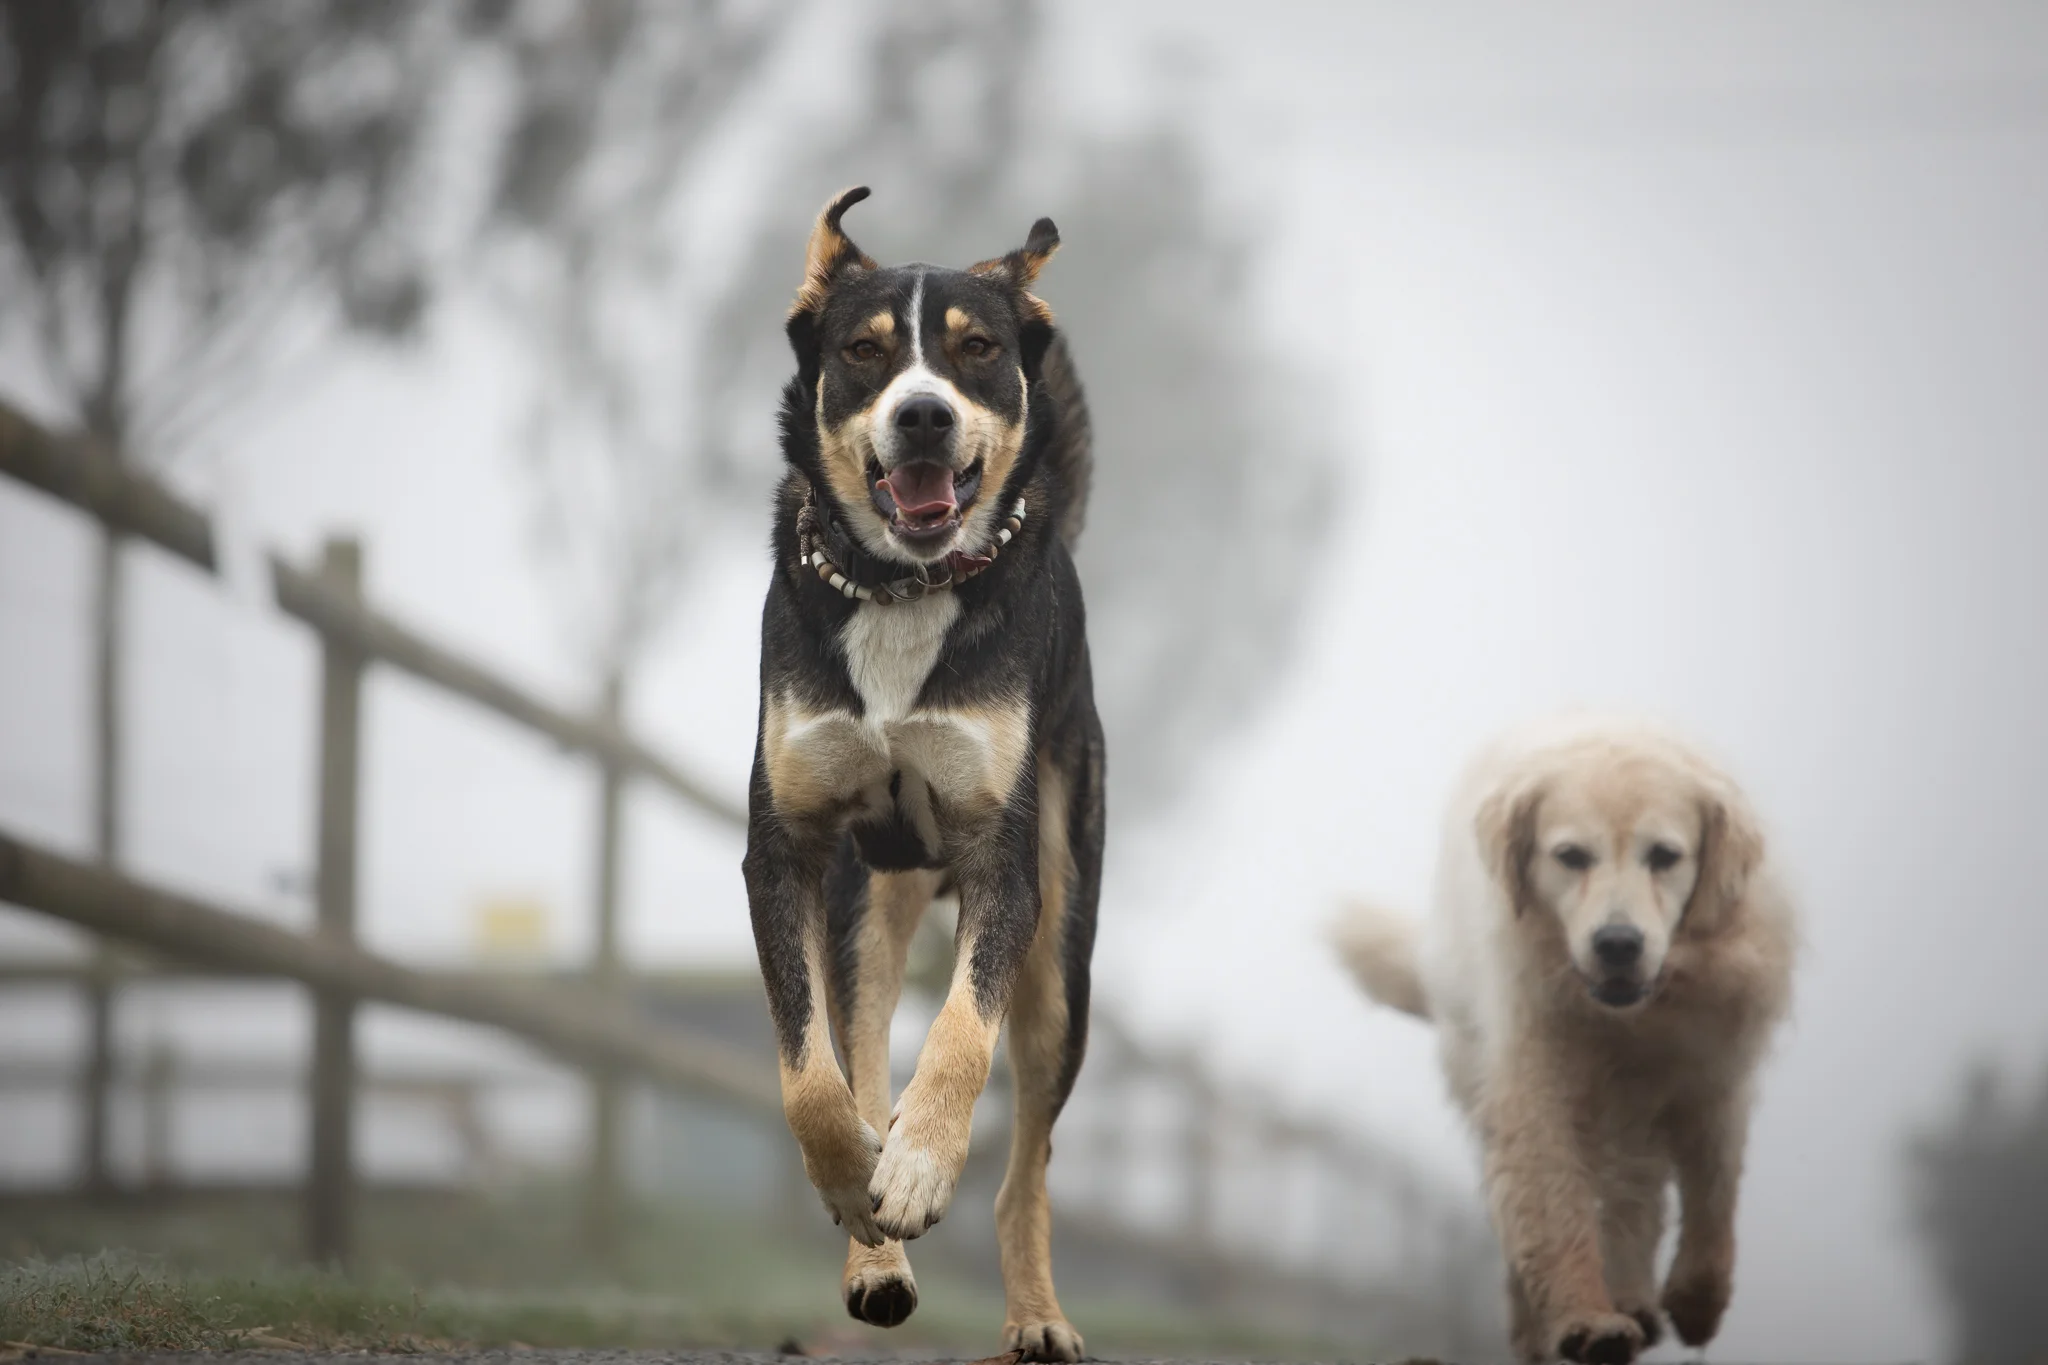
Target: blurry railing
{"x":1238,"y":1161}
{"x":587,"y":1025}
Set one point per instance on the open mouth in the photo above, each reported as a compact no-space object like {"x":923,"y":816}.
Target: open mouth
{"x":923,"y":500}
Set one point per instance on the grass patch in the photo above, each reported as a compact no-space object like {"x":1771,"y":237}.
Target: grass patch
{"x":117,"y":1303}
{"x":508,"y":1269}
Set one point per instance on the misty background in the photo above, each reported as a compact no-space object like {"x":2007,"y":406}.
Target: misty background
{"x":1449,"y":364}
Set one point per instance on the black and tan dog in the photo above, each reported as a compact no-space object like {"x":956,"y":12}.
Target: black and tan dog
{"x":927,"y":721}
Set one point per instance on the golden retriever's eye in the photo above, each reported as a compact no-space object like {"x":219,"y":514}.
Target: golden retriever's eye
{"x":1573,"y":857}
{"x":978,"y":346}
{"x":864,"y":350}
{"x":1663,"y":857}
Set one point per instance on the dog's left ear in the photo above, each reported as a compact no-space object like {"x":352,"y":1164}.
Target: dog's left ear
{"x":1731,"y":849}
{"x":1019,"y":269}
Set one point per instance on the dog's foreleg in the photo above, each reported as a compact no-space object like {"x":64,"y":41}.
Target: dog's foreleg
{"x":785,"y":895}
{"x":1048,"y":1029}
{"x":1544,"y":1209}
{"x":927,"y":1145}
{"x":869,"y":954}
{"x":1631,"y":1183}
{"x":1707,"y":1142}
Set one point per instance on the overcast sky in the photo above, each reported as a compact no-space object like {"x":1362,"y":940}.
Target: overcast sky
{"x":1683,"y":358}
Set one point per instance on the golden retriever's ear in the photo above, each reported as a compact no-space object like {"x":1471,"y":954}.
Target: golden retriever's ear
{"x":830,"y":252}
{"x":1731,"y":848}
{"x":1506,"y":827}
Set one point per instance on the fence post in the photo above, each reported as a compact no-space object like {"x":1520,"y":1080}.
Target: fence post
{"x":607,"y":1093}
{"x":330,"y":1166}
{"x":97,"y":1082}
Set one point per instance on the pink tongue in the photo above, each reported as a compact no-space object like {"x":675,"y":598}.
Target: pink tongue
{"x":923,"y":491}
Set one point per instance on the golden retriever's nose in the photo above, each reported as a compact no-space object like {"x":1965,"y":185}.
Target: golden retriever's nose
{"x":1618,"y":946}
{"x":923,"y":423}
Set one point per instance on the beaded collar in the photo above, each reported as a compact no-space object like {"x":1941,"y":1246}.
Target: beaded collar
{"x":956,"y":568}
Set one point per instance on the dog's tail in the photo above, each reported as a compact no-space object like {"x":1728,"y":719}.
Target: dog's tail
{"x":1072,"y":455}
{"x":1383,"y":949}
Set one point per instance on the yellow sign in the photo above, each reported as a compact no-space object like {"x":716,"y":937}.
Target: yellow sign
{"x":509,"y":926}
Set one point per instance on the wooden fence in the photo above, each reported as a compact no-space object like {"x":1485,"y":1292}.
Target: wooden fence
{"x":587,"y":1020}
{"x":584,"y":1024}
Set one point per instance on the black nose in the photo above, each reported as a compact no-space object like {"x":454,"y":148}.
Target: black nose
{"x":924,"y":421}
{"x":1618,"y":945}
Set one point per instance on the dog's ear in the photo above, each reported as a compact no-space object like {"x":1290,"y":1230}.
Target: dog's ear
{"x":1019,"y":269}
{"x":1506,"y":829}
{"x":830,"y":256}
{"x":1731,"y":849}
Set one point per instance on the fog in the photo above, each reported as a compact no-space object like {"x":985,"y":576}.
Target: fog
{"x":1686,"y":359}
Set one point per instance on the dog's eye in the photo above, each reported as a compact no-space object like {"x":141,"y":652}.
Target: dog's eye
{"x":977,"y":346}
{"x":1573,"y":857}
{"x":864,"y":350}
{"x":1662,"y":857}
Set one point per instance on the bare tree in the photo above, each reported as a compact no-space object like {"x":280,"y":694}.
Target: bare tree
{"x":587,"y":235}
{"x":179,"y":181}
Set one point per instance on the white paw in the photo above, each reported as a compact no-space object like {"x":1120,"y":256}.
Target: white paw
{"x":910,"y":1189}
{"x":1053,"y":1340}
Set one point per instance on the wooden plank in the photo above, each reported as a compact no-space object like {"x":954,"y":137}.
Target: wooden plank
{"x":564,"y":1020}
{"x":383,"y":640}
{"x":330,"y":1161}
{"x":72,"y":469}
{"x":601,"y":1192}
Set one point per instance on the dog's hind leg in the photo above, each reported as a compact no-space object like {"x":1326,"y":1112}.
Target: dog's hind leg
{"x":872,"y":916}
{"x":1631,"y":1225}
{"x":785,"y":873}
{"x":1048,"y":1030}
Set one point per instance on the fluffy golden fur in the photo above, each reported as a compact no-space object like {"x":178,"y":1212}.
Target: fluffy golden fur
{"x":1608,"y":956}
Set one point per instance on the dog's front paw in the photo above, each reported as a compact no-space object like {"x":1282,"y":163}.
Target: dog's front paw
{"x":1695,"y":1297}
{"x":911,"y":1188}
{"x":1647,"y":1319}
{"x":1052,"y":1340}
{"x":840,"y":1172}
{"x":1600,"y":1339}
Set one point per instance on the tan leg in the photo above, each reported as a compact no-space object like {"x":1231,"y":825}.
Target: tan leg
{"x":877,"y":1286}
{"x":1707,"y":1146}
{"x":1038,"y":1058}
{"x":995,"y":869}
{"x":928,"y":1137}
{"x":1525,"y":1334}
{"x":1543,"y":1207}
{"x":839,"y":1149}
{"x":1631,"y":1225}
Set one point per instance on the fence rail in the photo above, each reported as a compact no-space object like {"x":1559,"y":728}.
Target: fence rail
{"x":576,"y":1026}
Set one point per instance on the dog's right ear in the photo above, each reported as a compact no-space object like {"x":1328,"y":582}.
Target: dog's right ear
{"x":1506,"y":828}
{"x":830,"y":257}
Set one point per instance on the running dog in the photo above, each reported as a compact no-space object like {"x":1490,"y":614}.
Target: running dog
{"x":1608,"y":958}
{"x":927,"y":723}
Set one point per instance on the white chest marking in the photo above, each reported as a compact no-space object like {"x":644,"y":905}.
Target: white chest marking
{"x":891,"y":649}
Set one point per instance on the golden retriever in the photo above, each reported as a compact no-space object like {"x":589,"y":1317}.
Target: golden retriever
{"x":1608,"y":957}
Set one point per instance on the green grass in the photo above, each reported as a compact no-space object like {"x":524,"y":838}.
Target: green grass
{"x":507,"y":1269}
{"x":122,"y":1303}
